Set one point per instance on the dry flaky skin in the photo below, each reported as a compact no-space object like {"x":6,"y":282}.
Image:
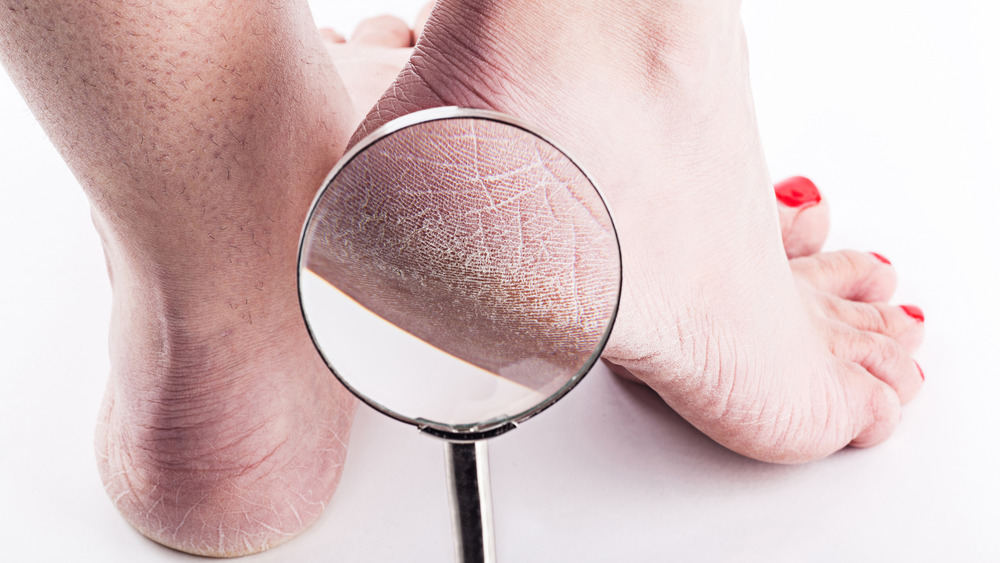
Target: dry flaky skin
{"x":199,"y":130}
{"x":479,"y":238}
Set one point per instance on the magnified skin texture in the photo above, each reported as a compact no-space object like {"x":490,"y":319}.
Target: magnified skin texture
{"x":478,"y":238}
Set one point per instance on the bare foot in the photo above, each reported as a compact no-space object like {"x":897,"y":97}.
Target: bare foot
{"x":222,"y":431}
{"x":780,"y":360}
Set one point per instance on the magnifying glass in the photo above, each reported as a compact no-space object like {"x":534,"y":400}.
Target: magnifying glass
{"x":460,"y":273}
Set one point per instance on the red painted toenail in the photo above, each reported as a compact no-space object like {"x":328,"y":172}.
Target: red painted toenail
{"x":922,"y":378}
{"x":913,"y":311}
{"x":881,"y":258}
{"x":797,"y":192}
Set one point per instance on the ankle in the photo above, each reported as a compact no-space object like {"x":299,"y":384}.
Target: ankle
{"x":490,"y":49}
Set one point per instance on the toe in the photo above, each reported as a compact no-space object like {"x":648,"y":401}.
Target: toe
{"x":330,"y":35}
{"x":804,"y":216}
{"x":875,"y":407}
{"x":903,"y":323}
{"x":849,"y":274}
{"x":383,"y":31}
{"x":881,"y":356}
{"x":418,"y":26}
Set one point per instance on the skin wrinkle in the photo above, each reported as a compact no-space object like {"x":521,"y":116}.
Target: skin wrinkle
{"x":508,"y":284}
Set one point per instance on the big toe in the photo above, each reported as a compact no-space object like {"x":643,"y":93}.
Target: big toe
{"x":804,"y":216}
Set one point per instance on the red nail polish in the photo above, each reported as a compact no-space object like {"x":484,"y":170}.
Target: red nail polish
{"x":881,"y":258}
{"x":913,"y":311}
{"x":922,"y":378}
{"x":797,"y":192}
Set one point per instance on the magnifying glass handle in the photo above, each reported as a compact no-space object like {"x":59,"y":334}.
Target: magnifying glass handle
{"x":471,"y":501}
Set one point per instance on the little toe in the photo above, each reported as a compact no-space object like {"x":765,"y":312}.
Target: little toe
{"x":894,"y":321}
{"x":804,"y":215}
{"x":875,"y":405}
{"x":849,"y":274}
{"x":881,"y":356}
{"x":383,"y":31}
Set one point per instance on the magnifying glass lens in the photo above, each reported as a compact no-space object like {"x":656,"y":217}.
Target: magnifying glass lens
{"x":458,"y":271}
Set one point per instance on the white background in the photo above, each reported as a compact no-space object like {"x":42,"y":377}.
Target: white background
{"x":890,"y":106}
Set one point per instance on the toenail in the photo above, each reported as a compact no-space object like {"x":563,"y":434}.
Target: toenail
{"x":881,"y":258}
{"x":913,"y":311}
{"x":797,"y":191}
{"x":922,"y":378}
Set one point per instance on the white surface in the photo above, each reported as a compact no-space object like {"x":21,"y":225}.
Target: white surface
{"x":399,"y":376}
{"x":890,"y":106}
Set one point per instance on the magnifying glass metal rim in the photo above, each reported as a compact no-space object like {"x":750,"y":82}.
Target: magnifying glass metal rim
{"x":453,"y":432}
